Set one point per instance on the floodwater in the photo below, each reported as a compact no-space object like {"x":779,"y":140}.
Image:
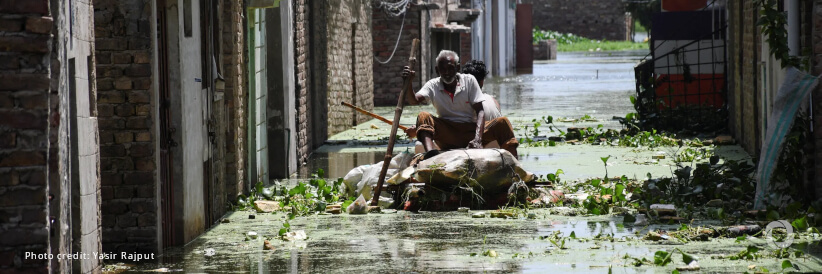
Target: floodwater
{"x":404,"y":242}
{"x":597,"y":84}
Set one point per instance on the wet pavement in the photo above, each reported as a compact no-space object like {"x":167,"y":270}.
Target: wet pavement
{"x":402,"y":242}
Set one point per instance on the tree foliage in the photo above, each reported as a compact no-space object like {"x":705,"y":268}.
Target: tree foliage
{"x":642,"y":11}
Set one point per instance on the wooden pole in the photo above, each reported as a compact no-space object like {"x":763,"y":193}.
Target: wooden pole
{"x":372,"y":115}
{"x":412,"y":62}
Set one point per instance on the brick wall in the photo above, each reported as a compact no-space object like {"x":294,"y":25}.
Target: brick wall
{"x":750,"y":100}
{"x":25,"y":63}
{"x":124,"y":83}
{"x":465,"y":47}
{"x":348,"y":31}
{"x":595,"y":19}
{"x":301,"y":48}
{"x":743,"y":95}
{"x":387,"y":79}
{"x":816,"y":43}
{"x":235,"y":95}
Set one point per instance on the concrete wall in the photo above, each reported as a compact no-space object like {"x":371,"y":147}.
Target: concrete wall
{"x":594,"y":19}
{"x":126,"y":119}
{"x":25,"y":62}
{"x":79,"y":187}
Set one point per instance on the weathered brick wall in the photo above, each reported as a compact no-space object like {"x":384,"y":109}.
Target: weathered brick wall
{"x":595,"y":19}
{"x":349,"y":62}
{"x":743,"y":95}
{"x":124,"y":83}
{"x":465,"y":47}
{"x":235,"y":96}
{"x":387,"y":79}
{"x":301,"y":48}
{"x":25,"y":63}
{"x":750,"y":100}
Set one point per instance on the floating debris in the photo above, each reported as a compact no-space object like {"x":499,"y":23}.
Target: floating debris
{"x":462,"y":209}
{"x":267,"y":245}
{"x":358,"y":207}
{"x":251,"y":235}
{"x":693,"y":266}
{"x":480,"y":214}
{"x":266,"y":206}
{"x":664,"y":209}
{"x":295,"y":235}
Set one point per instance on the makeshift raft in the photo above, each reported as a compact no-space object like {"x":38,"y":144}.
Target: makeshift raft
{"x":476,"y":178}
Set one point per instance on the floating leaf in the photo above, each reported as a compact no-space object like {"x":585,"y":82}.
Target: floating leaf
{"x":662,"y":258}
{"x":800,"y":224}
{"x":787,"y":264}
{"x":687,"y":258}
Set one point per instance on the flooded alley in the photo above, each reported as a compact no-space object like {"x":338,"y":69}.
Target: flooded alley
{"x":547,"y":240}
{"x":258,"y":136}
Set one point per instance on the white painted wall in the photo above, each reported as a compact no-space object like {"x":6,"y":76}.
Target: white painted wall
{"x":258,"y":92}
{"x":193,"y":127}
{"x":75,"y":38}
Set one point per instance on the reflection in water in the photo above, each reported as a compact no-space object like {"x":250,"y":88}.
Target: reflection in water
{"x":595,"y":85}
{"x":336,"y":165}
{"x":398,"y":242}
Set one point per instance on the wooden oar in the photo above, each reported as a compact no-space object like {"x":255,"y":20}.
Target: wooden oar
{"x":406,"y":85}
{"x":372,"y":115}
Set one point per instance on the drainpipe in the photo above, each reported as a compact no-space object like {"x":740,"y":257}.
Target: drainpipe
{"x":792,"y":8}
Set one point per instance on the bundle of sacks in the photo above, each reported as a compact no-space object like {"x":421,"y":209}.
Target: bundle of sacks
{"x":493,"y":175}
{"x":363,"y":179}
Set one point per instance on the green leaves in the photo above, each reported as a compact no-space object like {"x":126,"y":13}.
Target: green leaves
{"x":286,"y":228}
{"x":749,"y":253}
{"x":662,"y":258}
{"x":800,"y":224}
{"x":686,"y":258}
{"x":786,"y":264}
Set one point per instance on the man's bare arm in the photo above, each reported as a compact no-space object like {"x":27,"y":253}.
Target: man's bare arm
{"x":411,"y":97}
{"x":477,"y":142}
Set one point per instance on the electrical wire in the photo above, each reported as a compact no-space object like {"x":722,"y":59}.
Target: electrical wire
{"x":402,"y":26}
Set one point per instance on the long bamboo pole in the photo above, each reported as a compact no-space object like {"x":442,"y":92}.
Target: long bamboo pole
{"x":372,"y":115}
{"x":406,"y":85}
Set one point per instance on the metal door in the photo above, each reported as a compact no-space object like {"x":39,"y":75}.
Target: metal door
{"x":166,"y":129}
